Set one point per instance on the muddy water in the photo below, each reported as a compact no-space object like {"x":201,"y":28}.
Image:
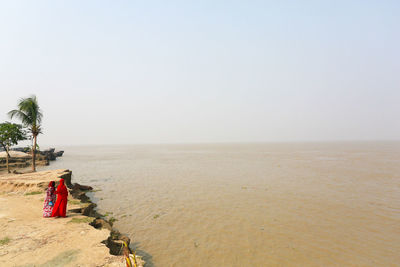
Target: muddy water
{"x":311,"y":204}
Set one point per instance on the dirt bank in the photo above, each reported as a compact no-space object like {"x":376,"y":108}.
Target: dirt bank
{"x":28,"y":239}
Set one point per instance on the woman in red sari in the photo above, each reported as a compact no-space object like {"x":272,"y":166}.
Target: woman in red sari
{"x":60,"y":208}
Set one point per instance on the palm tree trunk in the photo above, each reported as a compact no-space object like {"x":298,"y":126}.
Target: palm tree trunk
{"x":34,"y":154}
{"x":7,"y":156}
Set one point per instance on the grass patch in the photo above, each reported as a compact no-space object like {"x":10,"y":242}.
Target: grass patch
{"x":5,"y":241}
{"x":81,"y":220}
{"x":33,"y":193}
{"x":123,"y":216}
{"x":108,"y":213}
{"x":74,"y":202}
{"x":112,"y":220}
{"x":156,"y":216}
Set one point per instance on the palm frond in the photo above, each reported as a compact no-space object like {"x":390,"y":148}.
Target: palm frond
{"x":30,"y":106}
{"x":25,"y":119}
{"x":29,"y":113}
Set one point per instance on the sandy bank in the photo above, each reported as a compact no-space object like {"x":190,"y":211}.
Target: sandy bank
{"x":32,"y":182}
{"x":15,"y":154}
{"x":19,"y":161}
{"x":28,"y":239}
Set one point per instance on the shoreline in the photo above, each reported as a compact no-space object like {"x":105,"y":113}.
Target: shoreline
{"x":92,"y":240}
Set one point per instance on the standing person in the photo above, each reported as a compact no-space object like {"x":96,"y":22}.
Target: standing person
{"x":49,"y":200}
{"x":60,"y":208}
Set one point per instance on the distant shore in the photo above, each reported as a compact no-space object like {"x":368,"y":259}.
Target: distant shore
{"x":28,"y":239}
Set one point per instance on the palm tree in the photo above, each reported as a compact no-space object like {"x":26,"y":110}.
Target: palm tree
{"x":31,"y":116}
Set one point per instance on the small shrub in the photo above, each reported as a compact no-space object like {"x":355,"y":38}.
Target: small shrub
{"x":112,"y":220}
{"x":5,"y":241}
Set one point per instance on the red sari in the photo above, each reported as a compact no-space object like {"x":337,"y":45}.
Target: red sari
{"x":60,"y":208}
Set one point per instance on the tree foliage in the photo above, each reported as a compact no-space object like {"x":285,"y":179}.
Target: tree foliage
{"x":31,"y":117}
{"x":29,"y":113}
{"x":11,"y":134}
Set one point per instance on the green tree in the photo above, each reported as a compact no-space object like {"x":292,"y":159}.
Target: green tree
{"x":31,"y":116}
{"x":10,"y":134}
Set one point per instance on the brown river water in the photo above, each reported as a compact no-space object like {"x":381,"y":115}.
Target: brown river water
{"x":278,"y":204}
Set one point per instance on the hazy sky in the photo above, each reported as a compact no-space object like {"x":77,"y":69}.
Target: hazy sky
{"x":115,"y":72}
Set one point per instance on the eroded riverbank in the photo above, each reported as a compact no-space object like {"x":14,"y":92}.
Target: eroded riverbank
{"x":28,"y":239}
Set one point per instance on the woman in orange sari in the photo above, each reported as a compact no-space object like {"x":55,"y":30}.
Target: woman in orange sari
{"x":60,"y":208}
